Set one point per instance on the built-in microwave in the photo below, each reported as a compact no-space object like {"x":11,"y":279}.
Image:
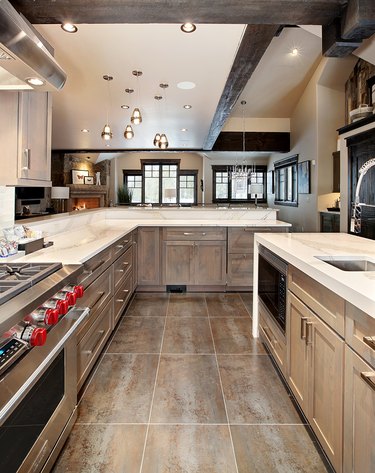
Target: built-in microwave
{"x":272,"y":284}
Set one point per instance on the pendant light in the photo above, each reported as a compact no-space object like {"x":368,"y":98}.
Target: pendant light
{"x":157,"y":135}
{"x":107,"y":133}
{"x":136,"y":117}
{"x":163,"y":142}
{"x":129,"y":133}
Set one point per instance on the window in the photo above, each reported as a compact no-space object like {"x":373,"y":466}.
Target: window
{"x":162,"y":183}
{"x":286,"y":181}
{"x":133,"y":180}
{"x":228,"y":189}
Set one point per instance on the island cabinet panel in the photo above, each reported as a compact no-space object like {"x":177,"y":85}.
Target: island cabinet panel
{"x":178,"y":262}
{"x":360,"y":333}
{"x":240,"y":269}
{"x":359,"y":415}
{"x":316,"y":374}
{"x":210,"y":262}
{"x":327,"y":304}
{"x":149,"y":269}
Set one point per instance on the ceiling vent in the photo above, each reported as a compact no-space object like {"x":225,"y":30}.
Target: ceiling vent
{"x":19,"y":41}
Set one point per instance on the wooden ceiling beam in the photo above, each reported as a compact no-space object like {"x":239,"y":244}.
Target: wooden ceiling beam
{"x":358,"y":21}
{"x":311,"y":12}
{"x":255,"y":41}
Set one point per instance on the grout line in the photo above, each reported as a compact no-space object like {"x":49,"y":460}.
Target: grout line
{"x":184,"y":354}
{"x":222,"y":392}
{"x":153,"y":392}
{"x":182,"y":424}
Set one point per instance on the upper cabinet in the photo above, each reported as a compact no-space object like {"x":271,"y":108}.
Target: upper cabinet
{"x":25,"y":124}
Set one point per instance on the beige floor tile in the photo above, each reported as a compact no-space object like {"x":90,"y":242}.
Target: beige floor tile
{"x":188,"y":391}
{"x":102,"y":449}
{"x":189,"y":449}
{"x":254,"y":392}
{"x":138,"y":335}
{"x":191,"y":305}
{"x":233,"y":335}
{"x":148,"y":305}
{"x":121,"y":390}
{"x":276,"y":448}
{"x":188,"y":335}
{"x":225,"y":305}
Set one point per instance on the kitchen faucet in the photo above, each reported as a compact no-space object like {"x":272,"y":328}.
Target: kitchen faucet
{"x":355,"y":224}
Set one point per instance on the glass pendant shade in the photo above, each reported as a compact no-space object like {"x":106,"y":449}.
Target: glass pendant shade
{"x":136,"y":117}
{"x":106,"y":133}
{"x":163,"y":143}
{"x":157,"y":139}
{"x":128,"y":133}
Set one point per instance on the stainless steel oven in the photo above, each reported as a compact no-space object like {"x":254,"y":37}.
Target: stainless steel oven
{"x":39,"y":319}
{"x":272,"y":284}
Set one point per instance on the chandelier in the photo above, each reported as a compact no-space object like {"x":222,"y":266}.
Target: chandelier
{"x":240,"y":171}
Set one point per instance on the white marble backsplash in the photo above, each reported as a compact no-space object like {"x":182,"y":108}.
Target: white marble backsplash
{"x":7,"y":203}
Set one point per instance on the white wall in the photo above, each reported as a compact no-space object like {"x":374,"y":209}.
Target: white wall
{"x":7,"y":203}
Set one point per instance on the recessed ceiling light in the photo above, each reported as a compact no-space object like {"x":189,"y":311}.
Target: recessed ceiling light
{"x":186,"y":85}
{"x":125,"y":107}
{"x":69,"y":28}
{"x":35,"y":81}
{"x":184,"y":129}
{"x":188,"y":107}
{"x":188,"y":27}
{"x":295,"y":51}
{"x":85,"y":130}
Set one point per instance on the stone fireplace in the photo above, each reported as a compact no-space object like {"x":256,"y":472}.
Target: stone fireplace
{"x":87,"y":197}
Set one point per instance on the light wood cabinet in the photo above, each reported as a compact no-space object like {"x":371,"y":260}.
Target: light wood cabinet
{"x":315,"y":375}
{"x":25,"y":121}
{"x":359,"y":415}
{"x":196,"y":258}
{"x":149,"y":267}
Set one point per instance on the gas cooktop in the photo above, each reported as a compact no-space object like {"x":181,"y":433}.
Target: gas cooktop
{"x":17,"y":277}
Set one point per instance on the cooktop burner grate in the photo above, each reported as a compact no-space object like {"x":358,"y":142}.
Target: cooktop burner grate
{"x":17,"y":277}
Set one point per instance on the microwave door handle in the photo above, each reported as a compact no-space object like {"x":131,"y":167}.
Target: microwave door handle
{"x":303,"y":328}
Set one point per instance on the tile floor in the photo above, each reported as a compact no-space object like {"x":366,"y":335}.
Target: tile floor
{"x":182,"y":387}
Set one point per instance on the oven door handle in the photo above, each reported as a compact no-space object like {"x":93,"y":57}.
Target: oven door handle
{"x":79,"y":315}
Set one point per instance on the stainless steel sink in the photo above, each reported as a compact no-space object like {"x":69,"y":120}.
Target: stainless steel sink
{"x":349,"y":263}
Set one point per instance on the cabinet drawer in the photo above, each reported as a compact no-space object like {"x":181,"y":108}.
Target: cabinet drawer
{"x":122,"y":266}
{"x":241,"y":240}
{"x":122,"y":297}
{"x":240,"y":269}
{"x":121,"y":245}
{"x":273,"y":338}
{"x":96,"y":297}
{"x":325,"y":303}
{"x":93,"y":267}
{"x":194,"y":233}
{"x":360,"y":333}
{"x":90,"y":346}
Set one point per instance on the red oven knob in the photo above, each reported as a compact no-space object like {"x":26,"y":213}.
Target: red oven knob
{"x":61,"y":305}
{"x":38,"y":337}
{"x":43,"y":315}
{"x":70,"y":297}
{"x":78,"y":290}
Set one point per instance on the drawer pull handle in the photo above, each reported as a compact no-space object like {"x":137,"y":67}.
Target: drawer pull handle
{"x":303,"y":328}
{"x":120,"y":270}
{"x":309,"y":333}
{"x":97,"y":341}
{"x":120,"y":300}
{"x":126,"y":291}
{"x":125,"y":263}
{"x":370,"y":341}
{"x":119,"y":246}
{"x":101,"y":294}
{"x":188,"y":233}
{"x":369,"y":378}
{"x":203,"y":233}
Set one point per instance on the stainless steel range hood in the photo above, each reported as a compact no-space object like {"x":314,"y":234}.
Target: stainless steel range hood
{"x":24,"y":55}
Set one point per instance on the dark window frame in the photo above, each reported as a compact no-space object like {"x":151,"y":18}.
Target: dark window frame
{"x":283,"y":164}
{"x":260,"y":168}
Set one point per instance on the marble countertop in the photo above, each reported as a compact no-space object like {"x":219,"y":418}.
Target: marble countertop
{"x":75,"y":243}
{"x":301,"y":249}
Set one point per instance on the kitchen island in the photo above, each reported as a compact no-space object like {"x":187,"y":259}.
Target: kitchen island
{"x":325,"y":349}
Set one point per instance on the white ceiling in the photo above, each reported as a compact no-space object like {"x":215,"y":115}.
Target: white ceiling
{"x":165,"y":54}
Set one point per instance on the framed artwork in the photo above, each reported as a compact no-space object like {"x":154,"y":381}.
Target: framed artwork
{"x":89,"y":179}
{"x":304,"y":177}
{"x":78,"y":176}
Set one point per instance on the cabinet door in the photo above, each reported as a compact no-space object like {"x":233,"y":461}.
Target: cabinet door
{"x":240,"y":269}
{"x":178,"y":262}
{"x":359,"y":415}
{"x":298,"y":315}
{"x":148,"y":256}
{"x":326,"y":375}
{"x":34,"y":138}
{"x":210,"y":262}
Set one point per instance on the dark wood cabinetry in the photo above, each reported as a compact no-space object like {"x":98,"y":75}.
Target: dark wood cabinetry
{"x":336,"y":171}
{"x":330,"y":222}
